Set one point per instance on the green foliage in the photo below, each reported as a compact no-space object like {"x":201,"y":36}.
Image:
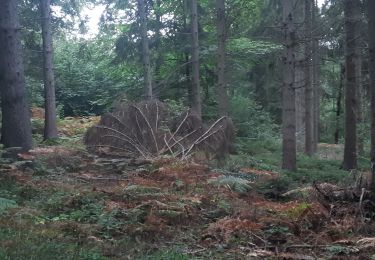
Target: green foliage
{"x":37,"y":126}
{"x":236,"y":162}
{"x":86,"y":82}
{"x":338,"y":250}
{"x":233,"y":183}
{"x":135,"y":191}
{"x":166,"y":255}
{"x":175,"y":107}
{"x":277,"y":230}
{"x":255,"y":147}
{"x":9,"y":190}
{"x":253,"y":48}
{"x":309,"y":170}
{"x":251,"y":120}
{"x":6,"y":204}
{"x":30,"y":243}
{"x":315,"y":169}
{"x":35,"y":91}
{"x":296,"y":212}
{"x":276,"y":187}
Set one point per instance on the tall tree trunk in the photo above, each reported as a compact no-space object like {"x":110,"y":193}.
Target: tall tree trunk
{"x":145,"y":49}
{"x":16,"y":126}
{"x":186,"y":54}
{"x":371,"y":11}
{"x":360,"y":89}
{"x":159,"y":55}
{"x":360,"y":119}
{"x":315,"y":77}
{"x":352,"y":19}
{"x":196,"y":104}
{"x":50,"y":127}
{"x":338,"y":104}
{"x":288,"y":92}
{"x":221,"y":57}
{"x":299,"y":76}
{"x":309,"y":94}
{"x":188,"y":78}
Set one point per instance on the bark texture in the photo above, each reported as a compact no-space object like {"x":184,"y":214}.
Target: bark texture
{"x":360,"y":91}
{"x":371,"y":11}
{"x":221,"y":58}
{"x":316,"y":76}
{"x":352,"y":22}
{"x":145,"y":49}
{"x":196,"y":104}
{"x":299,"y":76}
{"x":50,"y":128}
{"x":16,"y":126}
{"x":288,"y":92}
{"x":338,"y":104}
{"x":309,"y":94}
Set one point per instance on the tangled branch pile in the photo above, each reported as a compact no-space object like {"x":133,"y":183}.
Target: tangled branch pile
{"x":147,"y":129}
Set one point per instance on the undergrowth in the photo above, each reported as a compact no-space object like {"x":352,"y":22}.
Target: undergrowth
{"x":266,"y":155}
{"x":54,"y":216}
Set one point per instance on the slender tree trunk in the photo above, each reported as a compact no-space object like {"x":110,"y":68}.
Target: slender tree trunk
{"x":288,"y":92}
{"x":309,"y":94}
{"x":299,"y":76}
{"x":315,"y":78}
{"x":371,"y":11}
{"x":221,"y":57}
{"x":16,"y":126}
{"x":145,"y":49}
{"x":188,"y":78}
{"x":338,"y":104}
{"x":186,"y":55}
{"x":360,"y":119}
{"x":299,"y":86}
{"x":352,"y":19}
{"x":196,"y":104}
{"x":159,"y":58}
{"x":50,"y":127}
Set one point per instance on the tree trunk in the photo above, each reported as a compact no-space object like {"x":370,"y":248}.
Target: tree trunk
{"x":352,"y":19}
{"x":145,"y":49}
{"x":360,"y":121}
{"x":309,"y":94}
{"x":371,"y":11}
{"x":360,"y":89}
{"x":299,"y":86}
{"x":186,"y":54}
{"x":196,"y":104}
{"x":159,"y":55}
{"x":16,"y":126}
{"x":221,"y":57}
{"x":315,"y":78}
{"x":288,"y":92}
{"x":299,"y":76}
{"x":338,"y":104}
{"x":50,"y":127}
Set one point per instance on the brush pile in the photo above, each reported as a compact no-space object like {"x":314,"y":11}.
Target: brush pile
{"x":147,"y":129}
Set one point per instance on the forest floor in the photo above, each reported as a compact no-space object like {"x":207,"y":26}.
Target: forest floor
{"x":59,"y":202}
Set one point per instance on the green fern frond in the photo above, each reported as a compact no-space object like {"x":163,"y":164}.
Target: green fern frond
{"x":6,"y":204}
{"x":142,"y":191}
{"x":233,"y":183}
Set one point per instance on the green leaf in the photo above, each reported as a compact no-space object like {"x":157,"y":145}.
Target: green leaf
{"x":6,"y":204}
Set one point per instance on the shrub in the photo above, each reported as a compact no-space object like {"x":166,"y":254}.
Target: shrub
{"x":251,"y":120}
